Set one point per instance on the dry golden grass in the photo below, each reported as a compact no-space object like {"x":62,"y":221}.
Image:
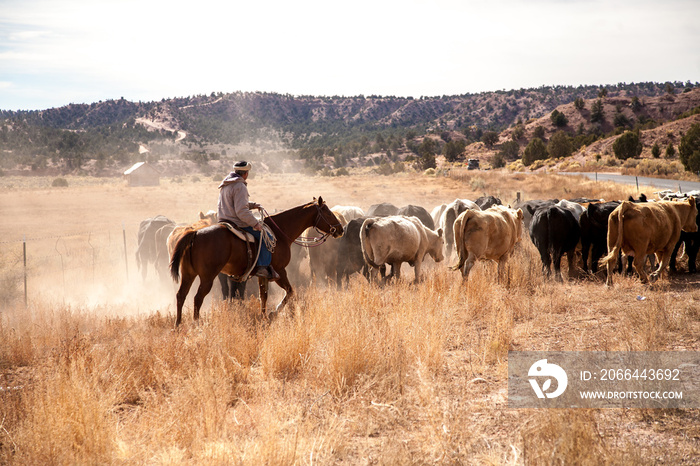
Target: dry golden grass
{"x":93,"y":371}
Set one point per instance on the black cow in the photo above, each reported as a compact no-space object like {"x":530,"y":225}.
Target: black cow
{"x":594,"y":233}
{"x":531,"y":206}
{"x":231,"y":289}
{"x":692,"y":245}
{"x":146,"y":249}
{"x":350,"y":256}
{"x":555,"y":232}
{"x":484,"y":202}
{"x":382,"y":210}
{"x":420,"y":212}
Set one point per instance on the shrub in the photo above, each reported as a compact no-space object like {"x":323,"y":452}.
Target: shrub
{"x":498,"y":161}
{"x":535,"y":150}
{"x":650,"y":167}
{"x":627,"y":146}
{"x":489,"y":138}
{"x":509,"y":150}
{"x":59,"y":183}
{"x":597,"y":113}
{"x":621,"y":121}
{"x":453,"y":150}
{"x":518,"y":132}
{"x":538,"y":132}
{"x":579,"y":103}
{"x":655,"y":150}
{"x":670,"y":150}
{"x":559,"y":119}
{"x":635,"y":104}
{"x":559,"y":145}
{"x":689,"y":149}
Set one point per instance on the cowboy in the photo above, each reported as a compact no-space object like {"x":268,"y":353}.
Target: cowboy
{"x":234,"y":208}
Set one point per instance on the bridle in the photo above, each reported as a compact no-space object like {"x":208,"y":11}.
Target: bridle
{"x":308,"y":241}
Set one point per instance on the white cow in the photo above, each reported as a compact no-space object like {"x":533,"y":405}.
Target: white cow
{"x":447,"y":219}
{"x":397,"y":239}
{"x":573,"y":207}
{"x":350,"y":212}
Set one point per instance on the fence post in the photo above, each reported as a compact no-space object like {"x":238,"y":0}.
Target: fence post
{"x":24,"y":253}
{"x":637,"y":181}
{"x":126,"y":258}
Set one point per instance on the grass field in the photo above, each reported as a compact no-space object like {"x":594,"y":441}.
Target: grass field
{"x":93,"y":372}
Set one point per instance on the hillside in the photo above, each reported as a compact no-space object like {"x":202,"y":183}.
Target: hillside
{"x":103,"y":138}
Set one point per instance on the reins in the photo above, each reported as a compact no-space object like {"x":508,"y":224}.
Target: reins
{"x":303,"y":241}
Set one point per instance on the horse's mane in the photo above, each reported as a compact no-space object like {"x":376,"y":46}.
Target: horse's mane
{"x":299,"y":207}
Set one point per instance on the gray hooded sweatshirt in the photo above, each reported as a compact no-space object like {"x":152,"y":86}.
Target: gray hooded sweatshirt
{"x":234,"y":205}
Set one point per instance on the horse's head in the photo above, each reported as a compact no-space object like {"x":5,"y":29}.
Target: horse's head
{"x":326,"y":221}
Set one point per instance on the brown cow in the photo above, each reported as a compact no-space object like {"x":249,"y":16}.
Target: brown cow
{"x":486,"y":235}
{"x":648,"y":228}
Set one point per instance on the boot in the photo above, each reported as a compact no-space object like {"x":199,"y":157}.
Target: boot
{"x":266,"y":272}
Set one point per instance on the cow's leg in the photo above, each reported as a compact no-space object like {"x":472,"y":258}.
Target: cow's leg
{"x":283,"y":283}
{"x":417,"y":269}
{"x":185,"y":284}
{"x":610,"y":267}
{"x":691,"y":249}
{"x":638,"y":265}
{"x":502,"y":268}
{"x":571,"y":259}
{"x":237,"y":289}
{"x":585,"y":247}
{"x":205,"y":284}
{"x":599,"y":250}
{"x":546,"y":263}
{"x":223,"y":281}
{"x":262,"y":287}
{"x":665,"y":258}
{"x":672,"y":263}
{"x":395,"y":271}
{"x":557,"y":265}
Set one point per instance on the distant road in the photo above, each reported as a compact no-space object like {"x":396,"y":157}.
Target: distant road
{"x":659,"y":184}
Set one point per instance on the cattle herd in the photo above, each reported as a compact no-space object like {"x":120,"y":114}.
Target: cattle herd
{"x":596,"y":231}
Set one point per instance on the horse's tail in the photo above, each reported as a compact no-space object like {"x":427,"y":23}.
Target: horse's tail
{"x":181,"y":247}
{"x":366,"y":245}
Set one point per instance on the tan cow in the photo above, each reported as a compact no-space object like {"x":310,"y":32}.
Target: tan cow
{"x":486,"y":235}
{"x":398,"y":239}
{"x":648,"y":228}
{"x":205,"y":220}
{"x":323,"y":257}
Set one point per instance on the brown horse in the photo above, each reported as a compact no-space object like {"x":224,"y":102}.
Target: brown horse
{"x":206,"y":252}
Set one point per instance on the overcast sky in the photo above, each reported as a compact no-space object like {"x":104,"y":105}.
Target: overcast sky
{"x":56,"y":52}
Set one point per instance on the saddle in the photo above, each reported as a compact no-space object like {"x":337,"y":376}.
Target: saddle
{"x":250,"y":239}
{"x":244,"y":235}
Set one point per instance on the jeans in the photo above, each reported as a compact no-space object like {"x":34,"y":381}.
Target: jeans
{"x":265,"y":257}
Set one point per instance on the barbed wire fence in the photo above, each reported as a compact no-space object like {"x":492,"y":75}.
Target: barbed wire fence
{"x":65,"y":261}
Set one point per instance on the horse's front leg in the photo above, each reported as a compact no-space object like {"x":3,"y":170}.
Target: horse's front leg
{"x":262,"y":287}
{"x":283,"y":282}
